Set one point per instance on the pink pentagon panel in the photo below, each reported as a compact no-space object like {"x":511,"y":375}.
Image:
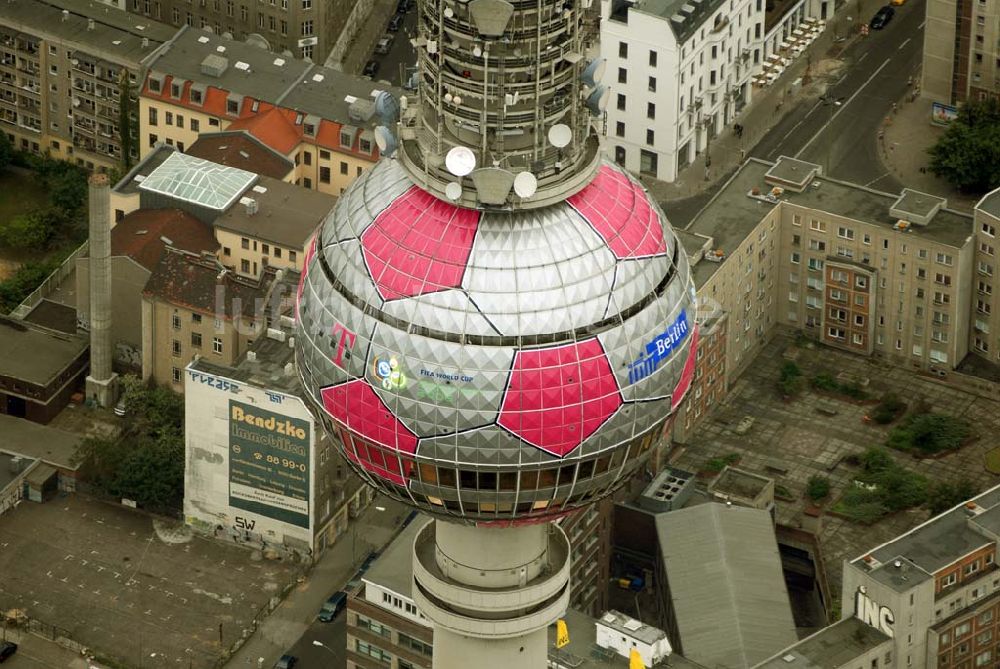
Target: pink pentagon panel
{"x":310,"y":252}
{"x":559,"y":396}
{"x":373,"y":432}
{"x":418,"y":244}
{"x":687,"y":373}
{"x":620,"y":212}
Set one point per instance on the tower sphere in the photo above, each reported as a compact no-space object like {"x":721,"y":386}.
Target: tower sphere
{"x":495,"y":366}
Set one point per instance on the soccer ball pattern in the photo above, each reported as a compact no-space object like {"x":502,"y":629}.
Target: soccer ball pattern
{"x":495,"y":366}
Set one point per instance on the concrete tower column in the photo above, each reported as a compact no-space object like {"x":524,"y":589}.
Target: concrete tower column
{"x":491,"y":592}
{"x":102,"y":382}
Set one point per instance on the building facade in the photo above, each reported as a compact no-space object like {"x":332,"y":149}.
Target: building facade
{"x":900,"y":277}
{"x":679,"y":73}
{"x":961,"y":51}
{"x":63,"y":70}
{"x":303,"y":28}
{"x":318,"y":118}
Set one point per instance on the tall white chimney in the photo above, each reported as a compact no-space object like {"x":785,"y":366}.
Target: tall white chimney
{"x":102,"y":382}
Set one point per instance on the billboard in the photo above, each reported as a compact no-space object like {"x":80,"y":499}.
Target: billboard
{"x":943,"y":114}
{"x":269,"y":463}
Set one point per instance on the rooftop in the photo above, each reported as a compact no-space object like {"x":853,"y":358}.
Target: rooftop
{"x":36,"y":355}
{"x":143,"y":235}
{"x":242,"y":150}
{"x":990,"y":203}
{"x":692,"y":243}
{"x":286,"y":214}
{"x":731,"y":215}
{"x":393,"y":569}
{"x":795,"y":173}
{"x":9,"y":471}
{"x":943,"y":539}
{"x":916,"y":206}
{"x":685,"y":17}
{"x":129,"y":184}
{"x":273,"y":129}
{"x":116,"y":36}
{"x":900,"y":578}
{"x":193,"y":282}
{"x":206,"y":184}
{"x":726,"y":584}
{"x":54,"y":316}
{"x":269,"y":362}
{"x":41,"y":442}
{"x":832,"y":647}
{"x":740,"y":483}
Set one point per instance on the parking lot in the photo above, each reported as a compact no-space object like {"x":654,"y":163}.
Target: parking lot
{"x":101,"y":573}
{"x":802,"y":438}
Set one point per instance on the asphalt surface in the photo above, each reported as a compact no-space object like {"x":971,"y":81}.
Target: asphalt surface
{"x":402,"y":55}
{"x":333,"y":652}
{"x":843,"y":137}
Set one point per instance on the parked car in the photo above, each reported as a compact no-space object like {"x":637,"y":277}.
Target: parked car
{"x":7,"y":648}
{"x":333,"y":606}
{"x":286,"y":662}
{"x":403,"y":6}
{"x":395,"y":23}
{"x":384,"y":45}
{"x":882,"y":18}
{"x":371,"y":68}
{"x":369,"y":559}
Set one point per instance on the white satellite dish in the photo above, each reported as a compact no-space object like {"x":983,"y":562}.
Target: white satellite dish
{"x":457,"y":100}
{"x":477,"y":52}
{"x":560,"y":135}
{"x":447,"y":97}
{"x":448,"y":12}
{"x":453,"y":191}
{"x":432,"y":46}
{"x":525,"y":184}
{"x":385,"y":140}
{"x":460,"y":160}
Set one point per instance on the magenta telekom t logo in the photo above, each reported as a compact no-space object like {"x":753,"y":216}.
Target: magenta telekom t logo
{"x":345,"y":342}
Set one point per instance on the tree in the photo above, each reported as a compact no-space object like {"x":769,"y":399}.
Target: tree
{"x":818,"y":487}
{"x":944,"y":495}
{"x":6,"y":151}
{"x":28,"y":276}
{"x":929,"y":433}
{"x":968,"y":154}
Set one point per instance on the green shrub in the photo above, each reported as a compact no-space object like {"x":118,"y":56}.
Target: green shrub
{"x":715,"y":465}
{"x":818,"y":487}
{"x":929,"y":433}
{"x":888,"y":409}
{"x":944,"y":495}
{"x":824,"y":381}
{"x":893,"y":488}
{"x":790,"y":382}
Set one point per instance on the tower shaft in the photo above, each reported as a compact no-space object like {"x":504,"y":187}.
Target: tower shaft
{"x":102,"y":383}
{"x":490,"y":592}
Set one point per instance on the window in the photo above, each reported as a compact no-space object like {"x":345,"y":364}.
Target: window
{"x":945,"y":279}
{"x":818,"y":226}
{"x":816,"y":245}
{"x":175,"y":347}
{"x":985,"y":268}
{"x":861,"y":281}
{"x":175,"y":322}
{"x":845,"y":233}
{"x":652,"y":59}
{"x":650,"y":110}
{"x":307,"y":4}
{"x":867,"y":239}
{"x":216,"y":345}
{"x":291,"y":256}
{"x":836,"y":333}
{"x":619,"y":129}
{"x":277,"y":251}
{"x":374,"y":627}
{"x":622,"y":75}
{"x":168,"y":118}
{"x":196,"y":339}
{"x":943,"y":258}
{"x":796,"y":219}
{"x":815,"y":264}
{"x":651,"y":84}
{"x":838,"y":314}
{"x":245,"y":266}
{"x":989,"y":230}
{"x":416,"y":645}
{"x":621,"y":102}
{"x":793,"y":297}
{"x":324,"y":175}
{"x":195,"y":125}
{"x":622,"y":50}
{"x":972,"y":568}
{"x":343,"y":167}
{"x":175,"y":374}
{"x":858,"y":340}
{"x":962,"y":629}
{"x":796,"y":258}
{"x":152,"y":116}
{"x":941,"y":298}
{"x":364,"y":648}
{"x":307,"y":27}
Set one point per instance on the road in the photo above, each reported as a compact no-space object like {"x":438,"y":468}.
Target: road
{"x":842,"y":138}
{"x":333,"y":653}
{"x":401,"y":55}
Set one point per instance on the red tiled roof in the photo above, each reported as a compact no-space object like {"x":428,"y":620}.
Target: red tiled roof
{"x":242,"y":150}
{"x":139,"y":235}
{"x":273,"y":128}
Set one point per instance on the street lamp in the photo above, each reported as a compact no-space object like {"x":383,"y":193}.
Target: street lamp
{"x":320,"y":644}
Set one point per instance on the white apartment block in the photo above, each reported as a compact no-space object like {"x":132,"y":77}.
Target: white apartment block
{"x":679,"y":73}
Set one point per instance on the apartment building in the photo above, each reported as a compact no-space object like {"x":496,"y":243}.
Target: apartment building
{"x":961,"y":56}
{"x":228,"y":493}
{"x":985,"y":316}
{"x":679,"y":73}
{"x":62,"y":64}
{"x":934,"y":591}
{"x":870,"y":272}
{"x":318,"y":118}
{"x":192,"y":307}
{"x":302,"y":28}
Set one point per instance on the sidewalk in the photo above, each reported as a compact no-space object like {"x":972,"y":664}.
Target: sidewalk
{"x":909,"y":133}
{"x":35,"y":652}
{"x":283,"y":627}
{"x":726,"y":150}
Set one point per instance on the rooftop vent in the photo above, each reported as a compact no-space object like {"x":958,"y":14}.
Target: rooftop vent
{"x":276,"y":334}
{"x":901,"y":225}
{"x":214,"y":65}
{"x":251,"y":356}
{"x":90,"y":24}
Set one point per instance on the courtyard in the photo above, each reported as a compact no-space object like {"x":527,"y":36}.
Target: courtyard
{"x":135,"y":596}
{"x":817,"y":433}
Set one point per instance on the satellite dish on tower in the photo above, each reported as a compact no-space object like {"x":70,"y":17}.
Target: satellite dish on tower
{"x":525,"y":184}
{"x":594,"y":72}
{"x":387,"y":107}
{"x":385,"y":140}
{"x":453,"y":191}
{"x":460,"y":160}
{"x":597,"y":101}
{"x":448,"y":12}
{"x":560,"y":135}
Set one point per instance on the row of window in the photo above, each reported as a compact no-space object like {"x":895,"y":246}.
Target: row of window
{"x":196,"y":343}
